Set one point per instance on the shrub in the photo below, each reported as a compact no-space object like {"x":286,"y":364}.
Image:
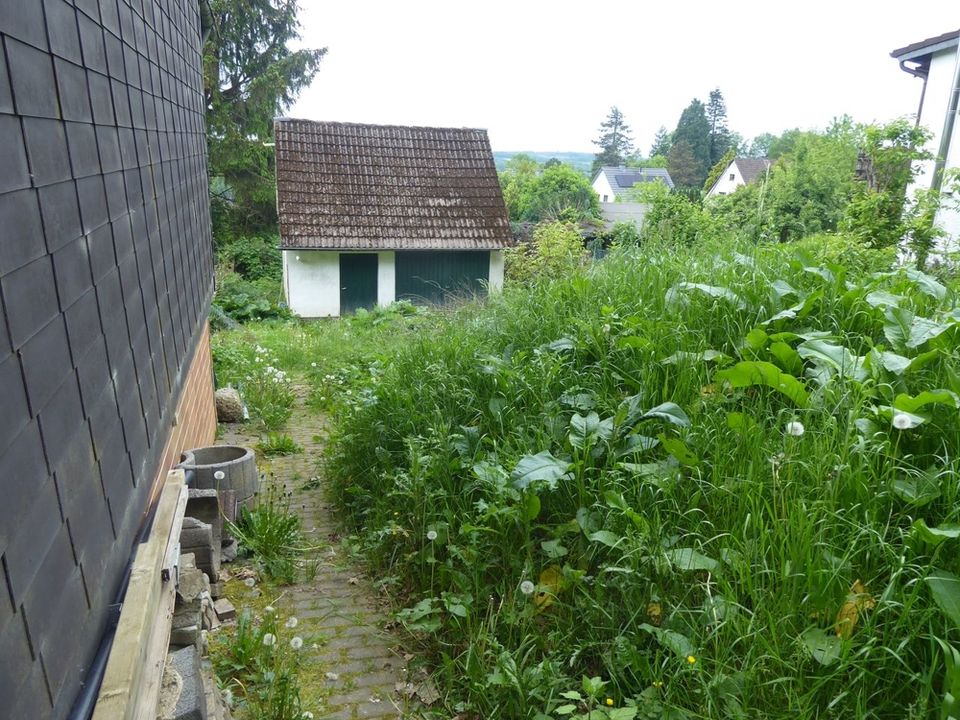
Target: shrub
{"x":252,"y":256}
{"x":555,"y":250}
{"x":244,"y":300}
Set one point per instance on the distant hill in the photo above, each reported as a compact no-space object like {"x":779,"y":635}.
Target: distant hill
{"x":581,"y":161}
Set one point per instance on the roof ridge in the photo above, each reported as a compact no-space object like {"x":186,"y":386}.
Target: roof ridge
{"x":344,"y":123}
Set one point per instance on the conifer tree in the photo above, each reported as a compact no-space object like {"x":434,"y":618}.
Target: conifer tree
{"x":716,"y":111}
{"x":614,"y":142}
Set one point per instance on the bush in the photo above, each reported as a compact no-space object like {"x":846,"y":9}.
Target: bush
{"x":244,"y":300}
{"x":672,"y":217}
{"x":555,"y":250}
{"x":252,"y":256}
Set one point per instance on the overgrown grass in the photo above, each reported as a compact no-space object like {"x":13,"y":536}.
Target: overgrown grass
{"x":703,"y":477}
{"x":271,"y":534}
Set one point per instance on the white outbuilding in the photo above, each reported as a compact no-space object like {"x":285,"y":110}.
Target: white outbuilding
{"x":370,"y":214}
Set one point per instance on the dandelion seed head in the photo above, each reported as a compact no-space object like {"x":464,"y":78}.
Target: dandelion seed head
{"x":431,"y":535}
{"x":296,"y":642}
{"x":249,"y":582}
{"x":795,"y":428}
{"x":269,"y":639}
{"x":291,"y":622}
{"x":269,"y":610}
{"x":527,"y":587}
{"x":901,"y":421}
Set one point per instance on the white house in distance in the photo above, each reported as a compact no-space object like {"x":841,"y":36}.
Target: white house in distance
{"x":370,"y":214}
{"x":611,"y":182}
{"x":740,"y":172}
{"x":936,"y":61}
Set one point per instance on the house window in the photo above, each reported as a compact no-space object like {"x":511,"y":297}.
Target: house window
{"x":733,"y":176}
{"x":604,"y":198}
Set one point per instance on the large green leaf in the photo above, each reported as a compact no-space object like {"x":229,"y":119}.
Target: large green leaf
{"x":679,"y":450}
{"x":926,"y":283}
{"x":823,"y":648}
{"x":788,"y":358}
{"x":935,"y":535}
{"x":542,"y":467}
{"x":910,"y":404}
{"x":668,"y":411}
{"x":896,"y":326}
{"x":923,"y":330}
{"x":837,"y":357}
{"x":673,"y":641}
{"x":750,"y":373}
{"x":588,"y":429}
{"x":881,"y":298}
{"x":605,"y":537}
{"x":693,"y":357}
{"x":677,"y":295}
{"x":690,"y":559}
{"x":945,"y":588}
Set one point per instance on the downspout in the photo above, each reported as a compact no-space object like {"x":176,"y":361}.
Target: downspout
{"x":948,"y":125}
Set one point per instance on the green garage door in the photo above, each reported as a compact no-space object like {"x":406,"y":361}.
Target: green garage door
{"x":358,"y":281}
{"x":434,"y":276}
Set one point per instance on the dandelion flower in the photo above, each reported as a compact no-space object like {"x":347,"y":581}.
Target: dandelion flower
{"x":609,"y":702}
{"x":691,"y":659}
{"x":269,"y":610}
{"x":296,"y":642}
{"x":901,"y":421}
{"x":269,"y":639}
{"x":527,"y":587}
{"x":431,"y":535}
{"x":795,"y":428}
{"x":291,"y":622}
{"x":658,"y":683}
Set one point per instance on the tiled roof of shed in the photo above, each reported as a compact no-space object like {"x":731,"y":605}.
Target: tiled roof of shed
{"x":384,"y":187}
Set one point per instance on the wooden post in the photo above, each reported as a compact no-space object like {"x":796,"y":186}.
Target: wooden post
{"x":131,"y":683}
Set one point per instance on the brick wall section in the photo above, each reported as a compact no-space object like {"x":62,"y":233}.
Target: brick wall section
{"x":196,"y":415}
{"x":106,"y":272}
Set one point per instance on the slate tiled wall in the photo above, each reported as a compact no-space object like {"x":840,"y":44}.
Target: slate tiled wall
{"x":105,"y":277}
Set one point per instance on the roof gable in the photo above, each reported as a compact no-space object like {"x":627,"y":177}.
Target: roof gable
{"x":353,"y":186}
{"x":624,"y":178}
{"x":751,"y":168}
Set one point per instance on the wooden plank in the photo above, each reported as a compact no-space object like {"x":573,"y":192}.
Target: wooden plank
{"x":131,"y":683}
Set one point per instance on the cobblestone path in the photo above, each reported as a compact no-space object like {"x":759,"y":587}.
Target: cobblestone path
{"x":352,"y":666}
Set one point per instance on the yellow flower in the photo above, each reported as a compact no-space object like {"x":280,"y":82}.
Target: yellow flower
{"x":658,"y":683}
{"x":609,"y":702}
{"x":691,"y":659}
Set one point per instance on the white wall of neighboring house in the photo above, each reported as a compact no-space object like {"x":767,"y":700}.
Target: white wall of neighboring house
{"x":935,"y":104}
{"x":729,"y":181}
{"x":602,"y":187}
{"x":495,"y":278}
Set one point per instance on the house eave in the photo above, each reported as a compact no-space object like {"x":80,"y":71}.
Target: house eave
{"x":920,"y":50}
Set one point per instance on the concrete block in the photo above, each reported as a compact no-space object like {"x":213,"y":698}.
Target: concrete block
{"x":185,"y":635}
{"x":225,"y":609}
{"x":192,"y":703}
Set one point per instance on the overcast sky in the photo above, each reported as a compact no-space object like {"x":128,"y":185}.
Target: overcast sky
{"x":543,"y":75}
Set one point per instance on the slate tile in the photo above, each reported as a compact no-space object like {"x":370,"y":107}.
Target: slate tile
{"x":23,"y":459}
{"x":105,"y":426}
{"x":6,"y":96}
{"x":31,"y":76}
{"x":82,"y":141}
{"x":15,"y":650}
{"x":128,"y":148}
{"x":114,"y":50}
{"x":100,"y":247}
{"x":60,"y":417}
{"x":122,"y":238}
{"x":76,"y":471}
{"x":131,"y":66}
{"x":93,"y":202}
{"x":116,"y":195}
{"x":136,"y":108}
{"x":109,"y":17}
{"x":31,"y":299}
{"x":13,"y":156}
{"x":91,"y":39}
{"x":108,"y":144}
{"x":83,"y":327}
{"x":46,"y":362}
{"x":74,"y":94}
{"x":47,"y":149}
{"x":62,"y":29}
{"x":121,"y":102}
{"x":100,"y":98}
{"x":90,"y":8}
{"x":13,"y":401}
{"x":6,"y":348}
{"x":71,"y":265}
{"x":39,"y":528}
{"x":24,"y":21}
{"x":61,"y":214}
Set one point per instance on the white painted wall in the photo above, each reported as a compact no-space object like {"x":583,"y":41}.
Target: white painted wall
{"x":386,"y":277}
{"x":602,"y":187}
{"x":935,"y":104}
{"x":495,"y":279}
{"x":728,"y":181}
{"x":311,"y":279}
